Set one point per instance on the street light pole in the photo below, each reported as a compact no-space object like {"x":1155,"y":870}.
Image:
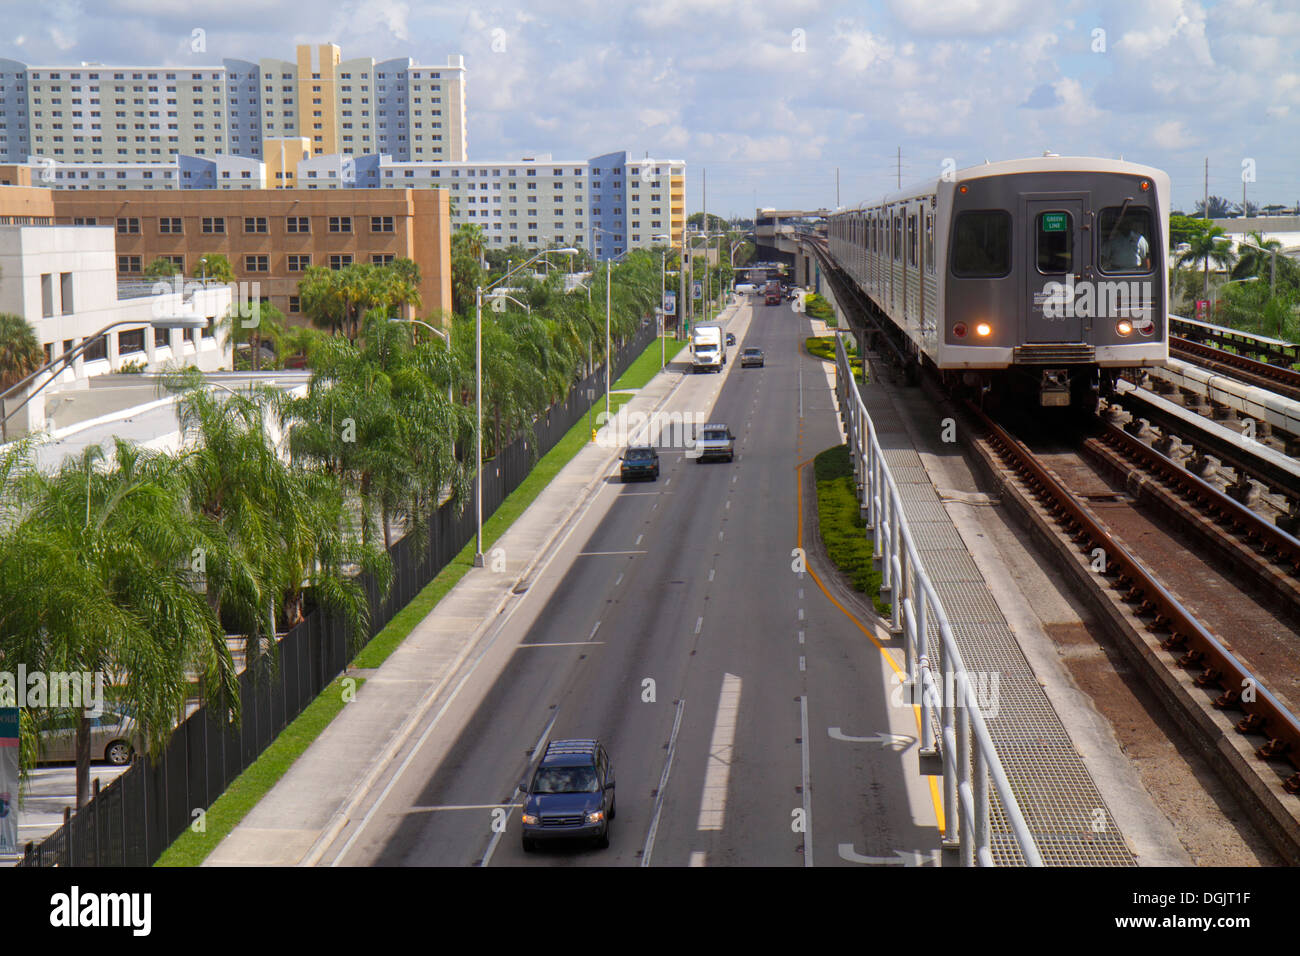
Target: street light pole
{"x":67,"y":358}
{"x":478,"y":431}
{"x":478,"y":398}
{"x":1214,"y":290}
{"x":609,"y":273}
{"x":446,"y":337}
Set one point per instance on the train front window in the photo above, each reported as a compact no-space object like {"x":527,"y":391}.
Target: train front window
{"x":981,"y":244}
{"x":1125,"y":237}
{"x":1055,"y":242}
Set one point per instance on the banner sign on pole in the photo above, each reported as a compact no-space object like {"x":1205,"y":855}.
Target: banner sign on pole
{"x":670,"y":303}
{"x":697,"y":290}
{"x":8,"y":779}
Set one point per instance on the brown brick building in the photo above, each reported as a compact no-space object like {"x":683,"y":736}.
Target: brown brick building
{"x":272,"y":236}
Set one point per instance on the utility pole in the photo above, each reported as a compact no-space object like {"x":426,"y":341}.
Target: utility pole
{"x":1205,"y":209}
{"x":705,"y":201}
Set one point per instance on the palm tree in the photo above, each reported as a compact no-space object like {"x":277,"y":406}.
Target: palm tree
{"x":20,"y":355}
{"x":1208,"y":247}
{"x":215,"y":267}
{"x":161,"y":268}
{"x":96,"y":577}
{"x":266,"y":325}
{"x":20,"y":350}
{"x":273,"y":526}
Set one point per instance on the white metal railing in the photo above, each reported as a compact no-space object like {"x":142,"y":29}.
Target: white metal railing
{"x":969,"y":758}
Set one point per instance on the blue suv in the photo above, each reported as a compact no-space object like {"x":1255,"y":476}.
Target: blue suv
{"x":571,"y":794}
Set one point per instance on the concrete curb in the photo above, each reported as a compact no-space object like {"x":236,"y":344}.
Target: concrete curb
{"x":522,"y":582}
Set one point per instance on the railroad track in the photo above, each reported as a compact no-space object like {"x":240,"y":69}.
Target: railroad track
{"x":1275,"y":378}
{"x":1201,"y":675}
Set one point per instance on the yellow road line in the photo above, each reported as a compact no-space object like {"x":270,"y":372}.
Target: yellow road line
{"x":935,"y":797}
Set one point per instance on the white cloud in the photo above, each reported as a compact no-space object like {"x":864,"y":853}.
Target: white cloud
{"x":862,"y":49}
{"x":655,"y":117}
{"x":1171,"y":135}
{"x":960,"y":17}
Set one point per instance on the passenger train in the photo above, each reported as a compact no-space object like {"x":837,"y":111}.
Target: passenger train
{"x":1039,"y":276}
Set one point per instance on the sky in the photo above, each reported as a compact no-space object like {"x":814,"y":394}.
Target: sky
{"x":774,"y":100}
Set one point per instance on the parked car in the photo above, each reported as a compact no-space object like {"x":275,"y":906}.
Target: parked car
{"x":752,"y":357}
{"x":715,"y":441}
{"x":114,"y":738}
{"x":639,"y":461}
{"x":571,"y":794}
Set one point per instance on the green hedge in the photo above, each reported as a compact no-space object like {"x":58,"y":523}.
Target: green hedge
{"x":842,"y":528}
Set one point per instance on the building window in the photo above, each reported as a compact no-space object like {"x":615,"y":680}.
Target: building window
{"x":340,"y":224}
{"x":257,"y":264}
{"x":255,"y":224}
{"x":214,"y":225}
{"x":132,"y":341}
{"x":298,"y":224}
{"x":295,"y":303}
{"x":381,"y":223}
{"x":170,"y":225}
{"x":339,"y":261}
{"x":128,"y":264}
{"x":299,"y":263}
{"x":381,"y":258}
{"x":128,"y":226}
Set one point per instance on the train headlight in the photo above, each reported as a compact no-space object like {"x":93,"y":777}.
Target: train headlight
{"x":983,"y":330}
{"x":1124,"y":327}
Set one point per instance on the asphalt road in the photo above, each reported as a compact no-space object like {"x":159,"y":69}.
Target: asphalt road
{"x":672,"y":626}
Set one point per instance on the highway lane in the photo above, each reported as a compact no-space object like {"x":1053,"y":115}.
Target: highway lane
{"x":673,"y":605}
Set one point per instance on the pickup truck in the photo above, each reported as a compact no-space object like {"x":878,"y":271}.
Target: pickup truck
{"x":713,"y":442}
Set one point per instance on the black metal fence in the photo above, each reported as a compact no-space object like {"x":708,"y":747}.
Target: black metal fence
{"x":137,"y":816}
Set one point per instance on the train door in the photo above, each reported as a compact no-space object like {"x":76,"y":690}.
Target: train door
{"x":1057,"y":264}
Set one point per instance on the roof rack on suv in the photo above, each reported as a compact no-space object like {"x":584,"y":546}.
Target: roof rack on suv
{"x":570,"y":747}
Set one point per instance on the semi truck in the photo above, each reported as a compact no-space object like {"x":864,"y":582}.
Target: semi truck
{"x":707,"y":349}
{"x":772,"y":292}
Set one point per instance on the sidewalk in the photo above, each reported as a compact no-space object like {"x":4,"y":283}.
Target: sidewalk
{"x":295,"y":822}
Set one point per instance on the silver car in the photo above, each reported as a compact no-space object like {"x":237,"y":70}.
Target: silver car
{"x":114,"y":739}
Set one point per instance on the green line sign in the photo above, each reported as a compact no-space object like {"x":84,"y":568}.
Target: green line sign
{"x":1054,"y":221}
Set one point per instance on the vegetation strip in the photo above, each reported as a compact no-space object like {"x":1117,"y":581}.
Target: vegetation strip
{"x":841,"y":526}
{"x":823,"y":347}
{"x":190,"y":849}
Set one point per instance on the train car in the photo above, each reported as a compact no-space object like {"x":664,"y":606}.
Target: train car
{"x":1038,"y":276}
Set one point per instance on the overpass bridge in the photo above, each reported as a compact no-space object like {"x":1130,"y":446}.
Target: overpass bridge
{"x":779,"y":236}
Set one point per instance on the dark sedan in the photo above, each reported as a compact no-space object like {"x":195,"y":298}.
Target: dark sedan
{"x":639,"y":461}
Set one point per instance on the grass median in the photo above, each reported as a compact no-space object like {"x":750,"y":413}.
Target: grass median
{"x":840,"y":522}
{"x":646,"y":366}
{"x":190,"y":848}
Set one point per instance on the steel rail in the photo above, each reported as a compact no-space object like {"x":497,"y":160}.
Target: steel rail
{"x":1264,"y":714}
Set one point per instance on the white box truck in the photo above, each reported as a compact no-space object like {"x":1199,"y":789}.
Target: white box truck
{"x":707,"y":348}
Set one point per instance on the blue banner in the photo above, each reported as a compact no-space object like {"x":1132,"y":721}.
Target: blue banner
{"x":8,"y":779}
